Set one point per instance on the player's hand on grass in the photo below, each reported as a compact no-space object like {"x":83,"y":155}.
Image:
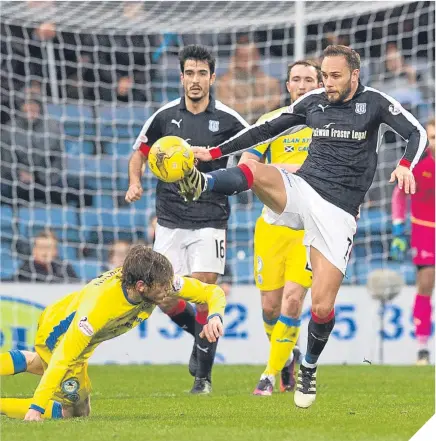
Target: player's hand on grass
{"x":134,"y":193}
{"x":33,"y":415}
{"x":213,"y":329}
{"x":202,"y":154}
{"x":405,"y":179}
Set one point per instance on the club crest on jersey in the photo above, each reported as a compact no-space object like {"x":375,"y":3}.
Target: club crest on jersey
{"x":395,"y":110}
{"x":360,"y":108}
{"x":214,"y":126}
{"x":70,"y":386}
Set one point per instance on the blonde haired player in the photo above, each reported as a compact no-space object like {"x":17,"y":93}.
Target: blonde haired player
{"x":70,"y":330}
{"x":280,"y":265}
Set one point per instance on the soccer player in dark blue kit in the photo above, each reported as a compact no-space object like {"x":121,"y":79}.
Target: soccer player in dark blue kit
{"x":191,"y":236}
{"x":324,"y":195}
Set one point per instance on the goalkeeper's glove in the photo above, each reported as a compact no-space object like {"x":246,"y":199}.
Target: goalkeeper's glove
{"x":399,"y":242}
{"x":192,"y":185}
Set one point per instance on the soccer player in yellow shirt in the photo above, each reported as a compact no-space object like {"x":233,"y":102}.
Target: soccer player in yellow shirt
{"x":280,"y":265}
{"x":70,"y":330}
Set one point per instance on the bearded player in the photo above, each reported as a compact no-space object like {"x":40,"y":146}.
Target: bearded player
{"x":422,"y":240}
{"x":70,"y":330}
{"x":323,"y":197}
{"x":280,"y":265}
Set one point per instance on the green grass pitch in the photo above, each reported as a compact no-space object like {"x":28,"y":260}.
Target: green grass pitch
{"x":376,"y":403}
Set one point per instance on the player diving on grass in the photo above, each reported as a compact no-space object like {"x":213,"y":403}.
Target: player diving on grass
{"x":323,"y":196}
{"x":70,"y":330}
{"x":280,"y":262}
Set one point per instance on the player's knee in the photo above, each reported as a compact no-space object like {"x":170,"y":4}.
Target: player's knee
{"x":292,"y":306}
{"x":426,"y":282}
{"x":425,"y":287}
{"x":33,"y":363}
{"x":322,"y":310}
{"x":293,"y":297}
{"x":254,"y":166}
{"x":270,"y":307}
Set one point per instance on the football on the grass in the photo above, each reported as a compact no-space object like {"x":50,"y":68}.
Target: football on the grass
{"x":170,"y":158}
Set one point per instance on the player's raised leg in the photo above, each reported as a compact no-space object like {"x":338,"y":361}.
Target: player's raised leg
{"x":265,"y":180}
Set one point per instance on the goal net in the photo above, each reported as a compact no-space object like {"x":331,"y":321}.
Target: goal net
{"x":78,"y":80}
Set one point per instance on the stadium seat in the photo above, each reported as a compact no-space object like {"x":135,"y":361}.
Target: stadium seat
{"x":373,"y":221}
{"x":122,"y":121}
{"x":67,"y":252}
{"x":244,"y":270}
{"x":165,"y":92}
{"x":6,"y":223}
{"x":79,"y":147}
{"x":120,"y":148}
{"x":63,"y":221}
{"x":87,"y":269}
{"x":103,"y":226}
{"x":363,"y":268}
{"x":375,"y":246}
{"x":76,"y":120}
{"x":99,"y":171}
{"x":8,"y":265}
{"x":276,"y":67}
{"x":103,"y":201}
{"x":170,"y":68}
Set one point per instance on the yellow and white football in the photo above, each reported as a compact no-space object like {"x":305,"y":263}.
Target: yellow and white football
{"x":170,"y":158}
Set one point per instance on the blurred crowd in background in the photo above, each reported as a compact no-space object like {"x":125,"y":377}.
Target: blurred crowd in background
{"x":46,"y":66}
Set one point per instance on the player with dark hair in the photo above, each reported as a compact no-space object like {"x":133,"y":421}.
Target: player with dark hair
{"x":280,"y":263}
{"x":422,"y":240}
{"x":192,"y":236}
{"x":324,"y":195}
{"x":70,"y":330}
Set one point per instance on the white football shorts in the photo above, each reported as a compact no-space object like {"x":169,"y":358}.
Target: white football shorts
{"x":327,"y":227}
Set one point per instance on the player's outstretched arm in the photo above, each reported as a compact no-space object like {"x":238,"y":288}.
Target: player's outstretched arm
{"x":199,"y":292}
{"x":254,"y":135}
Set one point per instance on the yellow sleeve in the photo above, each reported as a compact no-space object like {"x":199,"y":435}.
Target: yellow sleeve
{"x":260,"y":150}
{"x":89,"y":318}
{"x":199,"y":292}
